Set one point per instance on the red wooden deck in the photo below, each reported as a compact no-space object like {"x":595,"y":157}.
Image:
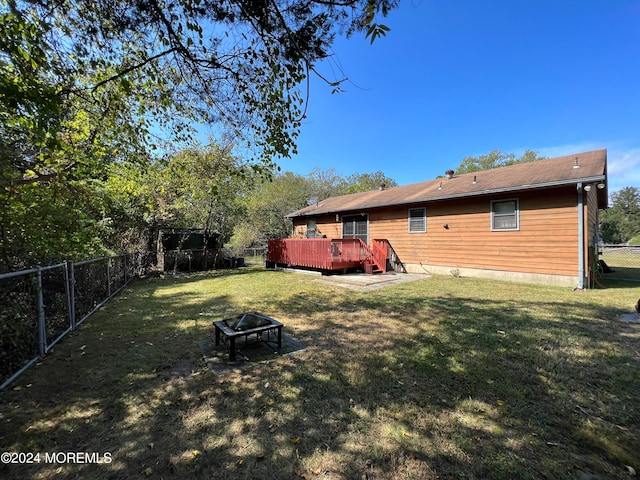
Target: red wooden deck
{"x":328,"y":253}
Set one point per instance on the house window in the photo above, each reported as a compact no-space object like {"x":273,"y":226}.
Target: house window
{"x":505,"y":215}
{"x":356,"y":226}
{"x":311,"y":228}
{"x":417,"y":220}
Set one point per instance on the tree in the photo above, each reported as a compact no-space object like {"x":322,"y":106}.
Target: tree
{"x":495,"y":159}
{"x":85,"y":81}
{"x":127,"y":199}
{"x":201,"y":187}
{"x":328,"y":183}
{"x":267,"y":207}
{"x":363,"y":182}
{"x":621,"y":222}
{"x":324,"y":184}
{"x":87,"y":87}
{"x":49,"y":223}
{"x":58,"y":121}
{"x":270,"y":202}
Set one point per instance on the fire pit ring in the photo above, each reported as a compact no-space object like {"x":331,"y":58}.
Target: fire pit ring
{"x":247,"y":324}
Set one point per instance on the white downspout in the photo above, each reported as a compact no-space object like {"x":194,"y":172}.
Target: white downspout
{"x":581,"y":272}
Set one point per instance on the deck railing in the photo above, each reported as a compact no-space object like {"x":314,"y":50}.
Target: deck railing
{"x":321,"y":253}
{"x":380,"y":253}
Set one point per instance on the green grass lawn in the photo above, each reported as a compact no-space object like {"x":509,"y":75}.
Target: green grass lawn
{"x":624,"y":263}
{"x":438,"y":378}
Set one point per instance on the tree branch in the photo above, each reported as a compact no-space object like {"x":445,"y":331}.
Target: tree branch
{"x":331,"y":3}
{"x":132,"y":68}
{"x":40,"y":178}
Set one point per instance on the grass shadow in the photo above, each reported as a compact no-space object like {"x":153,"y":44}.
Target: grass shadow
{"x":440,"y":378}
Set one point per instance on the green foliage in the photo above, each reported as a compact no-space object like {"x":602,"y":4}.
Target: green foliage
{"x":363,"y":182}
{"x":268,"y":205}
{"x":86,"y":82}
{"x":375,"y":30}
{"x":324,"y":184}
{"x":58,"y":118}
{"x":620,"y":223}
{"x":200,"y":187}
{"x":494,"y":159}
{"x":203,"y":187}
{"x":91,"y":92}
{"x":127,"y":200}
{"x":609,"y":230}
{"x":48,"y":223}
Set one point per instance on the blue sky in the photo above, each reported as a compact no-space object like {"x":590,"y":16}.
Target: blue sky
{"x":458,"y":78}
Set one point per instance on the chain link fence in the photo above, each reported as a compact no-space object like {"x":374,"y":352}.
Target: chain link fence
{"x":622,"y":262}
{"x":250,"y":252}
{"x":192,"y":260}
{"x":38,"y":307}
{"x":252,"y":256}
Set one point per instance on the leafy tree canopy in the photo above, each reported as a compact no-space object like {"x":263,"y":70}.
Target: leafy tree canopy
{"x":200,"y":187}
{"x":494,"y":159}
{"x":324,"y":184}
{"x":363,"y":182}
{"x":269,"y":203}
{"x":328,"y":183}
{"x":267,"y":207}
{"x":84,"y":82}
{"x":621,"y":222}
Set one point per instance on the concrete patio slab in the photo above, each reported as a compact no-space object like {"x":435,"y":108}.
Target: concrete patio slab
{"x":364,"y":282}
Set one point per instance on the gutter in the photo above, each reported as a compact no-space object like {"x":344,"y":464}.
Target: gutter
{"x":581,"y":237}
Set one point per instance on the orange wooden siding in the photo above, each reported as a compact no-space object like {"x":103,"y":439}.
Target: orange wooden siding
{"x":591,"y":215}
{"x":546,"y":242}
{"x":325,"y":225}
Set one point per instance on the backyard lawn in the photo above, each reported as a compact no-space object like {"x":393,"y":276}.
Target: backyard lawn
{"x":624,"y":262}
{"x":439,"y":378}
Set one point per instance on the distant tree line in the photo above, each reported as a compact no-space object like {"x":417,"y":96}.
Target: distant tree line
{"x":494,"y":159}
{"x":204,"y":187}
{"x":620,"y":223}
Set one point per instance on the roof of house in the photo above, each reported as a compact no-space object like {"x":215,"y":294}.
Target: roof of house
{"x":585,"y":168}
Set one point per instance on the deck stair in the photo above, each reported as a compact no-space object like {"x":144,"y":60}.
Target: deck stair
{"x":376,"y":262}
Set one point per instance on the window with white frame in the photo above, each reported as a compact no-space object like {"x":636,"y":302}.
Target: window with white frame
{"x":505,"y":215}
{"x":417,"y":220}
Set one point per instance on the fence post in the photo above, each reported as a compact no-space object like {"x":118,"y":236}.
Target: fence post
{"x":42,"y":334}
{"x":71,"y":293}
{"x":108,"y":277}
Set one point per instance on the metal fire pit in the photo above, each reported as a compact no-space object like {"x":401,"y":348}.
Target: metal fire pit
{"x":247,"y":324}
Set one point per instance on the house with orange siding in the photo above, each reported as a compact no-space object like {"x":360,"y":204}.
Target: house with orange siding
{"x":532,"y":222}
